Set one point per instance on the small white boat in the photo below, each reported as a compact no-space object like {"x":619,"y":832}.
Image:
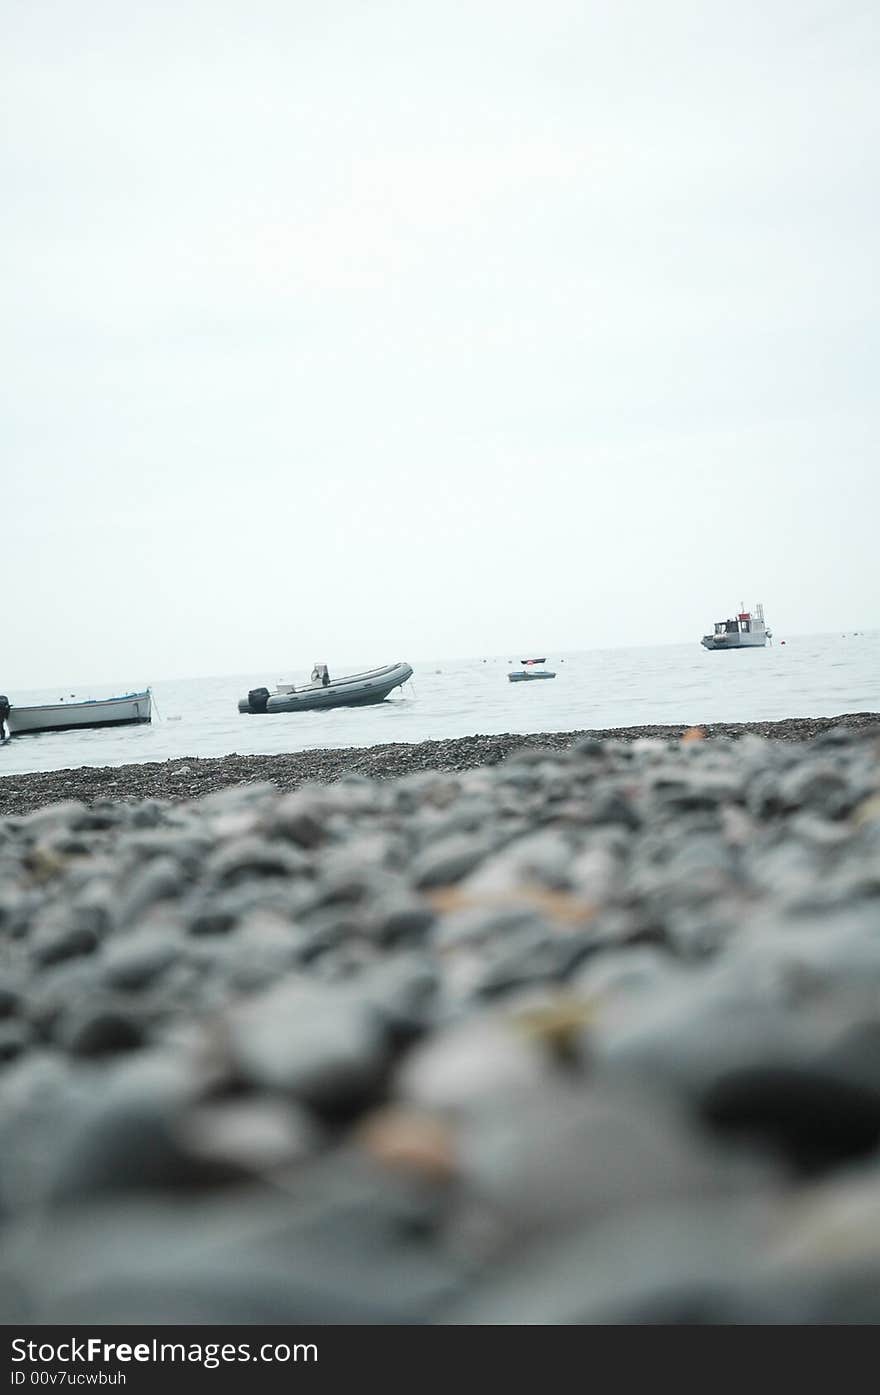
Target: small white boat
{"x":68,"y":715}
{"x":354,"y":690}
{"x":743,"y":631}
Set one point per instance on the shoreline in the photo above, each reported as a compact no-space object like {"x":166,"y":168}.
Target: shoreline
{"x":191,"y":777}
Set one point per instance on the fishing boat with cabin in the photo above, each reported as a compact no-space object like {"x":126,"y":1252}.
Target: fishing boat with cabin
{"x":746,"y":630}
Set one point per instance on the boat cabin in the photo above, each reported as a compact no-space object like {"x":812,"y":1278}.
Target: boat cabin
{"x":742,"y":624}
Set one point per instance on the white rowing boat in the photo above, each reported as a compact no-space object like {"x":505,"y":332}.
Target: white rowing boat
{"x":69,"y":715}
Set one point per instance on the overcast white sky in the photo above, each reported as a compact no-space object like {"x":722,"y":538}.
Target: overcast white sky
{"x":368,"y":331}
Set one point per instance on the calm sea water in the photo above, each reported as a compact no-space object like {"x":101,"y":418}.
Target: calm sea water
{"x":807,"y":676}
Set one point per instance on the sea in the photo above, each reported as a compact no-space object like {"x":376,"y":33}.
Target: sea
{"x":803,"y":676}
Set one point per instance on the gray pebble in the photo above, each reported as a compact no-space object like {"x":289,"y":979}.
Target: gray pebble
{"x":139,"y":958}
{"x":319,"y":1044}
{"x":447,"y":861}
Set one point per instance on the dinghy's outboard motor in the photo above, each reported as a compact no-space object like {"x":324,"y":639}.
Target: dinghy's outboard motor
{"x":4,"y":716}
{"x":257,"y":699}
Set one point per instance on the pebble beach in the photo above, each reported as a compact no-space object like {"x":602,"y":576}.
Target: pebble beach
{"x":576,"y":1027}
{"x":191,"y":777}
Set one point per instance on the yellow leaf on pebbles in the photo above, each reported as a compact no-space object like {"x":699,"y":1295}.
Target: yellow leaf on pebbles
{"x":558,"y":906}
{"x":410,"y":1141}
{"x":44,"y":863}
{"x":557,"y":1024}
{"x":693,"y":734}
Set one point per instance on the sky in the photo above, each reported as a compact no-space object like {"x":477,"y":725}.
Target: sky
{"x":380,"y":330}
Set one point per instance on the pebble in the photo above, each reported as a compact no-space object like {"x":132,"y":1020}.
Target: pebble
{"x":138,"y":959}
{"x":102,"y":1030}
{"x":9,"y":1001}
{"x":319,"y":1044}
{"x":159,"y":879}
{"x":447,"y":860}
{"x":13,"y":1040}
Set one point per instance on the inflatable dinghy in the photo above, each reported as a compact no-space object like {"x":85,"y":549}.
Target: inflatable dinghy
{"x":355,"y":690}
